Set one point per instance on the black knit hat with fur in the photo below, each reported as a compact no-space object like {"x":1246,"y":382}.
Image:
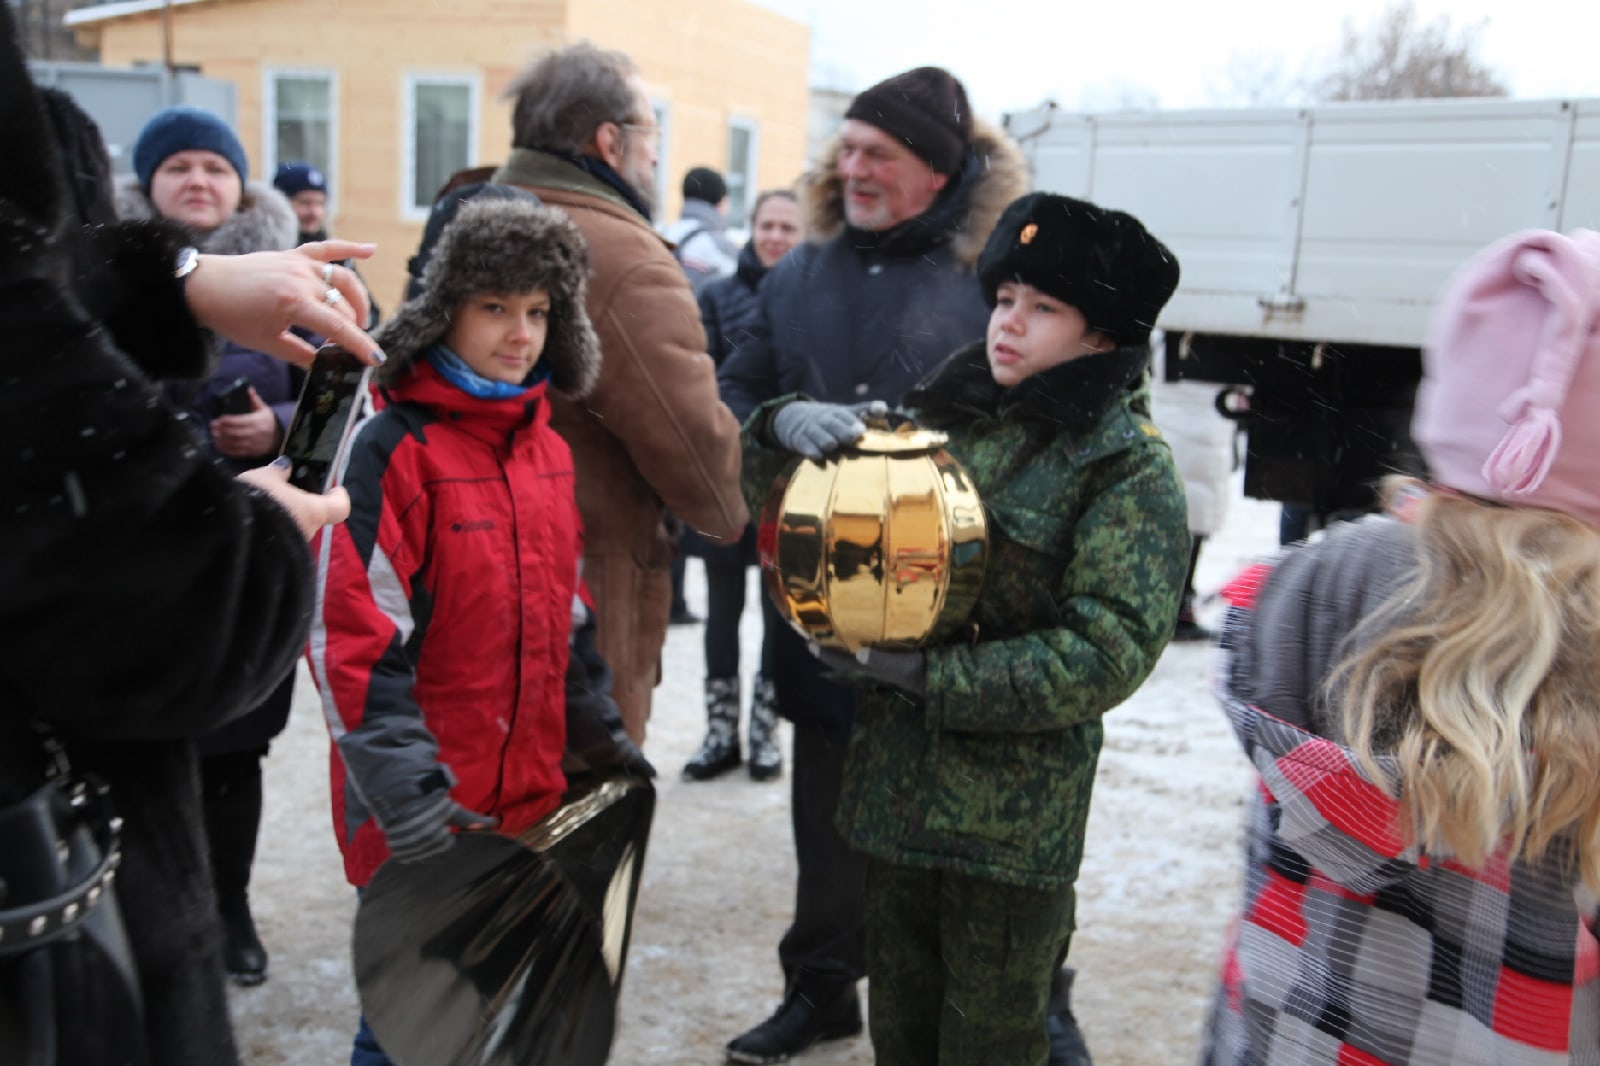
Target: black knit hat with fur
{"x":1103,"y":262}
{"x":507,"y":246}
{"x":927,"y":109}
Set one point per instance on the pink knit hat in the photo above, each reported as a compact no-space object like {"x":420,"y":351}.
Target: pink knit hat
{"x":1509,"y":405}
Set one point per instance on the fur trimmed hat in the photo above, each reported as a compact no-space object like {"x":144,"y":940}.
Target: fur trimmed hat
{"x":1509,"y":404}
{"x":186,"y":129}
{"x":443,"y":213}
{"x":927,"y":109}
{"x":1103,"y":262}
{"x":502,"y":245}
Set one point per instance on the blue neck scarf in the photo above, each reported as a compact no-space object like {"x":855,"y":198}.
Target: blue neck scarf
{"x":455,"y":370}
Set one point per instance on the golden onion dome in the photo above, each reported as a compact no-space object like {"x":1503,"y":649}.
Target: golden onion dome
{"x":881,"y":545}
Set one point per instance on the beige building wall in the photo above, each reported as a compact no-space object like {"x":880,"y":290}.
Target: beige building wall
{"x":711,"y":62}
{"x":707,"y":60}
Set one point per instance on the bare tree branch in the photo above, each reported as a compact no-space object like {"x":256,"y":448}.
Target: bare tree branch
{"x":1399,"y":57}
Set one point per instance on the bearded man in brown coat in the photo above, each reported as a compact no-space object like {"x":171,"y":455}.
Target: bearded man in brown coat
{"x":653,"y":435}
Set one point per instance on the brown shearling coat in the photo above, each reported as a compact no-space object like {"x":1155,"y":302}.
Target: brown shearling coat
{"x":653,"y":436}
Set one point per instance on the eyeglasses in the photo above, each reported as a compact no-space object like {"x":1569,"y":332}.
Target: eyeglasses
{"x":650,"y":130}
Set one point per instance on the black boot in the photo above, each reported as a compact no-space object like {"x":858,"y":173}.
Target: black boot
{"x":815,"y":1009}
{"x":719,"y":752}
{"x":766,"y":754}
{"x":1189,"y":630}
{"x":243,"y":955}
{"x":1066,"y":1039}
{"x":231,"y":795}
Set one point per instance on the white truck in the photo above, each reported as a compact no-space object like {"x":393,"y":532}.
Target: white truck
{"x":1313,"y":242}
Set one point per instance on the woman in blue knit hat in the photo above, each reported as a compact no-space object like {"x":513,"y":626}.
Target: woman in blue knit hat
{"x":190,"y":168}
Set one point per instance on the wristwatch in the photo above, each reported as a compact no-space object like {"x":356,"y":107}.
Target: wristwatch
{"x":188,"y":260}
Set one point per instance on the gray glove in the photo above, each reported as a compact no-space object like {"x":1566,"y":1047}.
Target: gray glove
{"x":813,"y":429}
{"x":905,"y":670}
{"x":420,"y":830}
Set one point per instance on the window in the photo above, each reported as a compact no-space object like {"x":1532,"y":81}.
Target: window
{"x":741,"y":171}
{"x":441,"y":135}
{"x":299,"y":121}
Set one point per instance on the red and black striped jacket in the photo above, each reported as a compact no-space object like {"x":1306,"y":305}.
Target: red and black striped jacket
{"x":1355,"y":947}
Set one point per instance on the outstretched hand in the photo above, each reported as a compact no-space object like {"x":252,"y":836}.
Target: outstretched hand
{"x":255,"y":299}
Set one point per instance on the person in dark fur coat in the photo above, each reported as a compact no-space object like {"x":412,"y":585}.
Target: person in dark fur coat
{"x":149,"y":594}
{"x":191,"y":169}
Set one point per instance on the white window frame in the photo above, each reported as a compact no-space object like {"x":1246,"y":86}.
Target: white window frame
{"x":663,"y":113}
{"x":752,"y":176}
{"x":269,"y":123}
{"x":409,"y":212}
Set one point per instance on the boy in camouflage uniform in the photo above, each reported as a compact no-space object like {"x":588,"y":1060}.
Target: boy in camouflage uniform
{"x":971,"y":762}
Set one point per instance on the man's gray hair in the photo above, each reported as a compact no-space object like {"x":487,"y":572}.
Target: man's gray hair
{"x":565,"y":95}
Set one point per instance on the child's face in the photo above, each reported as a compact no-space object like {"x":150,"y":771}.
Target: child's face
{"x":501,"y":334}
{"x":1030,"y":331}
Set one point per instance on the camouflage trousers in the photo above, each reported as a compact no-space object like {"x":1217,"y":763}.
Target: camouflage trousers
{"x":959,"y":967}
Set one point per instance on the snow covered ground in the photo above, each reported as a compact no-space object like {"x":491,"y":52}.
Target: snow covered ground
{"x":1159,"y":881}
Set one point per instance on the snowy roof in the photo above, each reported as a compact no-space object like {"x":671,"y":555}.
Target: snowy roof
{"x":88,"y":16}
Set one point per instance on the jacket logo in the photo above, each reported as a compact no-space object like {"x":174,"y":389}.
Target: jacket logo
{"x":472,"y":527}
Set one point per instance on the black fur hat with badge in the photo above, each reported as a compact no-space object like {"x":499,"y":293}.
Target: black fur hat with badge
{"x":1103,"y":262}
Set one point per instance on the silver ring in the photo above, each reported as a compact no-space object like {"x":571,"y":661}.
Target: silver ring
{"x":332,"y":296}
{"x":327,"y":273}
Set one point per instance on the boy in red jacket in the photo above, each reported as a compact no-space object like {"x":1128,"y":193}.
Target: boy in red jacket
{"x":448,"y":604}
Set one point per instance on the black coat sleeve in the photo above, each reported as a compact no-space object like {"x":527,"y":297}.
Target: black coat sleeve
{"x":147,"y":595}
{"x":716,"y":343}
{"x":751,"y":374}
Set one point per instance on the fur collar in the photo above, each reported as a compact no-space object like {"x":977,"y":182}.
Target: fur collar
{"x":264,"y":221}
{"x":536,"y":168}
{"x":1000,"y":176}
{"x":1075,"y":395}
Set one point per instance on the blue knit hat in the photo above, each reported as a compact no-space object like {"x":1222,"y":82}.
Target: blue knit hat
{"x":294,"y":178}
{"x":183,"y":129}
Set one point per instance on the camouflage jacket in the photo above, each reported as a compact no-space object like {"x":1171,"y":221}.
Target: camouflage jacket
{"x":990,"y":773}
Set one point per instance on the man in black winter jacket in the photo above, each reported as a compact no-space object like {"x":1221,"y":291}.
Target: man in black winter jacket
{"x":882,"y":292}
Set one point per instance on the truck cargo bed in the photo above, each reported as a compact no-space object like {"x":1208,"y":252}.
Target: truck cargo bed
{"x":1337,"y":223}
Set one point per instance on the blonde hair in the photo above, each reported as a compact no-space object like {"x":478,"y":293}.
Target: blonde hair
{"x":1480,"y":678}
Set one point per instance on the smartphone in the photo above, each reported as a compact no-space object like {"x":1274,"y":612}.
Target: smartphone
{"x":235,"y":399}
{"x":325,"y":417}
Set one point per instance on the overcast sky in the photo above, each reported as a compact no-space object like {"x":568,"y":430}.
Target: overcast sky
{"x":1013,"y":54}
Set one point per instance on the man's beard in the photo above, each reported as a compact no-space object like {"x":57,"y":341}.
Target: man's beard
{"x":643,"y":184}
